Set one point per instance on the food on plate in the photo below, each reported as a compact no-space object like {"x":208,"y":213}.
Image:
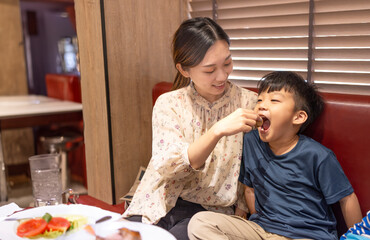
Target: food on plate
{"x":58,"y":224}
{"x":32,"y":227}
{"x":122,"y":234}
{"x":49,"y":226}
{"x":128,"y":234}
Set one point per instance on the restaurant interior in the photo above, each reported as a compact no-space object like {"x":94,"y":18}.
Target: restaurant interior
{"x":109,"y":59}
{"x":50,"y":51}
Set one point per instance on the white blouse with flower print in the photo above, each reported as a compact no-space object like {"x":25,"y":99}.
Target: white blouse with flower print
{"x":179,"y":118}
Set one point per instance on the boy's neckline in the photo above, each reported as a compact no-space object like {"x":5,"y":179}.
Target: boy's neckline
{"x":286,"y":147}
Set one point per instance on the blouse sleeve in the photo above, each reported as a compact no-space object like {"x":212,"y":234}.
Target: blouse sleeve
{"x":169,"y":149}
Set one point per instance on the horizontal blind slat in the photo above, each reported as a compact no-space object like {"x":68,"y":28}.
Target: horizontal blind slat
{"x":208,"y":14}
{"x":324,"y":30}
{"x":262,"y":22}
{"x":342,"y":42}
{"x":268,"y":32}
{"x":346,"y":17}
{"x":272,"y":64}
{"x":270,"y":43}
{"x":272,"y":53}
{"x":342,"y":53}
{"x":302,"y":53}
{"x":340,"y":5}
{"x":355,"y":78}
{"x":225,"y":4}
{"x":257,"y":73}
{"x":201,"y":6}
{"x":264,"y":11}
{"x":342,"y":66}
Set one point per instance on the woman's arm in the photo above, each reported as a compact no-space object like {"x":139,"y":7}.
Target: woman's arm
{"x":250,"y":199}
{"x":351,"y":209}
{"x":241,"y":120}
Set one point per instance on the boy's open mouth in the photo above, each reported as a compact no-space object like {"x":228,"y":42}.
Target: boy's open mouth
{"x":266,"y":123}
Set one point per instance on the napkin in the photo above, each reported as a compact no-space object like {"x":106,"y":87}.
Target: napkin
{"x":8,"y":209}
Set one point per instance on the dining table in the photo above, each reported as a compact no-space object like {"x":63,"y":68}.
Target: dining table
{"x":21,"y":111}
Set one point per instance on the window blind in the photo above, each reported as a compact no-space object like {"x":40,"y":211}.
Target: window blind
{"x":273,"y":35}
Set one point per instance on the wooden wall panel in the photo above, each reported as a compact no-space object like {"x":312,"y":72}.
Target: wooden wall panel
{"x":12,"y":59}
{"x":17,"y":144}
{"x":139,"y":34}
{"x":89,"y":33}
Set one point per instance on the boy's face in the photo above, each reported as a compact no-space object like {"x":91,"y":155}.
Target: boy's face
{"x":278,"y":114}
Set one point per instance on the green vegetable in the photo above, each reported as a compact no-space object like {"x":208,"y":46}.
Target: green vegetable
{"x":47,"y":217}
{"x":48,"y":234}
{"x":76,"y":222}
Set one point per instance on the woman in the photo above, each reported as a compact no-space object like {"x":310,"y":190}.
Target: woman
{"x":197,"y":134}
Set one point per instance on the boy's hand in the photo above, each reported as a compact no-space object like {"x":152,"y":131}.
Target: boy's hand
{"x":240,"y":213}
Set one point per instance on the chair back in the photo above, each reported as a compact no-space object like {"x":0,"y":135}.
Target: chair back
{"x":63,"y":87}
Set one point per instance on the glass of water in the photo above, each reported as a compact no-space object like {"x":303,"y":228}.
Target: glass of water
{"x":46,"y":179}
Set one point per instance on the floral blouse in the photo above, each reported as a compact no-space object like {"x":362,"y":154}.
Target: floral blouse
{"x":179,"y":118}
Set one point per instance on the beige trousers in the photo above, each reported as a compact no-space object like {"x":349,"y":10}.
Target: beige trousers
{"x":217,"y":226}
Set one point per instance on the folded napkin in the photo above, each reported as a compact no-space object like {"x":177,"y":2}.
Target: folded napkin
{"x":8,"y":209}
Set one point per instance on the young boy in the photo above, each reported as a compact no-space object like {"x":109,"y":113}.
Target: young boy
{"x":290,"y":179}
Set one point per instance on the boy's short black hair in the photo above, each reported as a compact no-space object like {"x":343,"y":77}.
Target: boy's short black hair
{"x":306,"y":96}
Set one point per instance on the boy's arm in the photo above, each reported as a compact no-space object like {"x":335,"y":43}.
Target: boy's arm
{"x":250,"y":199}
{"x":351,"y":209}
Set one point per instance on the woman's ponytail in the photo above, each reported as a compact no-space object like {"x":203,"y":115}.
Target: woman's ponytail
{"x":180,"y":81}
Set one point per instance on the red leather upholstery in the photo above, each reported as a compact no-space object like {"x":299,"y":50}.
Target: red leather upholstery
{"x":159,"y":89}
{"x":62,"y":86}
{"x":344,"y":128}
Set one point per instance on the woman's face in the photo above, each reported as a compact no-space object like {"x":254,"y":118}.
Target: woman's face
{"x":211,"y":74}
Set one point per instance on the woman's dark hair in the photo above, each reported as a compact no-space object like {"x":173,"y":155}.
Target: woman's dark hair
{"x":306,"y":96}
{"x":190,"y":43}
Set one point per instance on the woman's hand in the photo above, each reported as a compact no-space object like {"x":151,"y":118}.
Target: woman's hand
{"x":241,"y":120}
{"x":240,"y":213}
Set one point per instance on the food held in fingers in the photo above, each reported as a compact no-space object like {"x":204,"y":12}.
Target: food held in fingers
{"x":259,"y":123}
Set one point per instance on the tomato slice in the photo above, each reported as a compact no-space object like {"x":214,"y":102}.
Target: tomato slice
{"x":58,"y":224}
{"x":31,"y":227}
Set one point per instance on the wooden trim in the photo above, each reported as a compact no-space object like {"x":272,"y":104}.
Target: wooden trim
{"x":50,"y":1}
{"x":12,"y":123}
{"x":106,"y":74}
{"x":94,"y":99}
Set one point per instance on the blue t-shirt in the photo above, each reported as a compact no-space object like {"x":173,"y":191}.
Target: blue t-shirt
{"x":293,"y":191}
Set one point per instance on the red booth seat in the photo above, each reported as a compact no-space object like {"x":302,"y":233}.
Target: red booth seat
{"x":344,"y":128}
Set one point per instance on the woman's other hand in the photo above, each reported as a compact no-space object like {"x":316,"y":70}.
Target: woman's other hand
{"x":241,"y":120}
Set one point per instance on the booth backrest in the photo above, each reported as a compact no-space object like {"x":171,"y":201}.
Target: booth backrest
{"x":344,"y":128}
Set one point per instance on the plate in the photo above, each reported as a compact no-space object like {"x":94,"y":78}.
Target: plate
{"x":147,"y":231}
{"x":9,"y":228}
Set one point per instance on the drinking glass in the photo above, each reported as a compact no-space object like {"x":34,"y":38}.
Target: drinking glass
{"x":46,"y":179}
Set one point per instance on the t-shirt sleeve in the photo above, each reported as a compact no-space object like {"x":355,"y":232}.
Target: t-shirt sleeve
{"x":334,"y":184}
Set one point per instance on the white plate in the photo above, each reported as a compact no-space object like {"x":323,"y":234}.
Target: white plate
{"x":8,"y":229}
{"x":147,"y":232}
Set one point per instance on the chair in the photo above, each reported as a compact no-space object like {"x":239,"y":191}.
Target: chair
{"x":67,"y":139}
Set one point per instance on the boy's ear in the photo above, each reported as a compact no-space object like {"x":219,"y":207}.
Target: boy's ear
{"x":300,"y":117}
{"x":182,"y":71}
